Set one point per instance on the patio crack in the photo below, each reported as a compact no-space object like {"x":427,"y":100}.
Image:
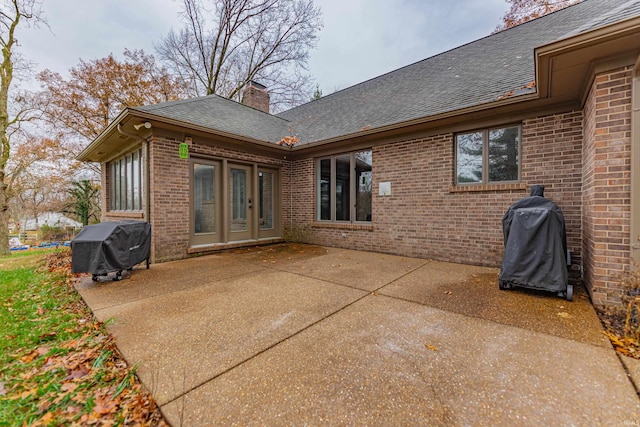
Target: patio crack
{"x":366,"y":294}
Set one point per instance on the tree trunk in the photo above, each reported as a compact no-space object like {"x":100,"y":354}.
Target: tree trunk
{"x":4,"y":229}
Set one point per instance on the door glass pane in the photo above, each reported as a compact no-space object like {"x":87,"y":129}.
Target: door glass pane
{"x":136,"y":181}
{"x":469,"y":157}
{"x":343,"y":178}
{"x":123,"y":184}
{"x":238,"y":191}
{"x":129,"y":173}
{"x":112,"y":183}
{"x":325,"y":189}
{"x":265,"y":180}
{"x":503,"y":154}
{"x":204,"y":200}
{"x":363,"y":183}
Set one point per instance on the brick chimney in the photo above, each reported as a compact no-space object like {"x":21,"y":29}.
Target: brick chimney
{"x":255,"y":95}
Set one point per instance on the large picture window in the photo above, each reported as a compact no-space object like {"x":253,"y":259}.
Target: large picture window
{"x":344,"y":187}
{"x":486,"y":156}
{"x":125,"y":182}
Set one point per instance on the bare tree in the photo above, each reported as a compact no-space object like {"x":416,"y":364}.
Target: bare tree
{"x":226,"y":43}
{"x":522,"y":11}
{"x":80,"y":107}
{"x":13,"y":13}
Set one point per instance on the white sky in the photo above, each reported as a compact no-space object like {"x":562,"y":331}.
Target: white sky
{"x":361,"y":39}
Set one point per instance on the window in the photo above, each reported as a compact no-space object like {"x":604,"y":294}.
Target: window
{"x":125,"y":182}
{"x":344,"y":187}
{"x":490,"y":155}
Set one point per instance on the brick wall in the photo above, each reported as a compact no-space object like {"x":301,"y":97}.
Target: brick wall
{"x":170,"y":180}
{"x":552,"y":156}
{"x":607,"y":185}
{"x":425,"y":216}
{"x":581,"y":157}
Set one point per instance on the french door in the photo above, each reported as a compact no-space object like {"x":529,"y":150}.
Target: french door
{"x":240,"y":203}
{"x":232,"y":202}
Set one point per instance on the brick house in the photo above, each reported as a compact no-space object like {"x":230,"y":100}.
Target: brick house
{"x":422,"y":161}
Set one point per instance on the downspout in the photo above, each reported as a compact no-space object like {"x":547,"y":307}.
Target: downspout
{"x":635,"y":167}
{"x":147,"y":173}
{"x":290,"y":194}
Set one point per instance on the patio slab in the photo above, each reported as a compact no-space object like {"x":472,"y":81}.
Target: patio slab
{"x":298,"y":334}
{"x":183,"y":338}
{"x":344,"y":267}
{"x":163,"y":278}
{"x":382,"y":361}
{"x":473,"y":291}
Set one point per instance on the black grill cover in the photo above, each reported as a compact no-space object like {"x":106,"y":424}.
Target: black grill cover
{"x":535,"y":254}
{"x":110,"y":246}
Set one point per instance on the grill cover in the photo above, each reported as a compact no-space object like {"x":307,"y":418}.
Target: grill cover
{"x":535,"y":254}
{"x":110,"y":246}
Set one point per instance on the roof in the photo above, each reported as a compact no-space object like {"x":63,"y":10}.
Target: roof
{"x":222,"y":114}
{"x":476,"y":75}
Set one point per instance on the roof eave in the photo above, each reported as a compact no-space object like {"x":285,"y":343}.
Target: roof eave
{"x":590,"y":42}
{"x":422,"y":120}
{"x":92,"y":152}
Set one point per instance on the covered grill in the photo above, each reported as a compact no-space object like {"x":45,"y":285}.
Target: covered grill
{"x":110,"y":247}
{"x":535,"y":253}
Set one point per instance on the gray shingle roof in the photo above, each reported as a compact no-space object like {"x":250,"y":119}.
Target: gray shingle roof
{"x":473,"y":74}
{"x":222,"y":114}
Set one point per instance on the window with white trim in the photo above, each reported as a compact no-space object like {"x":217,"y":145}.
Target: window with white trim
{"x":125,"y":182}
{"x":344,"y":187}
{"x":488,"y":156}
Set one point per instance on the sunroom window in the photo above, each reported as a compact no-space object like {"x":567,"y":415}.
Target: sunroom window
{"x":125,"y":182}
{"x":344,"y":187}
{"x":488,"y":156}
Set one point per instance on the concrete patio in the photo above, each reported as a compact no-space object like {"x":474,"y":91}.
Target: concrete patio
{"x":306,"y":335}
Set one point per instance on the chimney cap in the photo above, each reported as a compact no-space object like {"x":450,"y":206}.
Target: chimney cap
{"x":256,"y":84}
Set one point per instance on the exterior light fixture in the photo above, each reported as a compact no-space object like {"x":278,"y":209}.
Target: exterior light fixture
{"x":145,"y":125}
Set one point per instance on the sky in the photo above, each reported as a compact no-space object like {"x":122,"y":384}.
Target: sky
{"x":361,"y":39}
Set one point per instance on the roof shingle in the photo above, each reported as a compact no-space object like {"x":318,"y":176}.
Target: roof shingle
{"x":473,"y":74}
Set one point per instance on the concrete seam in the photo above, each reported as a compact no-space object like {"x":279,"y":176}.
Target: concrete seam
{"x":265,"y":349}
{"x":626,"y":371}
{"x":169,"y":293}
{"x":348,"y":286}
{"x":367,"y":293}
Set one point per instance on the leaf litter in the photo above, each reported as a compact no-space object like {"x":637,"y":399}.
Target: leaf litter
{"x":83,"y":380}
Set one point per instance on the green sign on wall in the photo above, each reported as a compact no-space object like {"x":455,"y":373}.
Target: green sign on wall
{"x":184,"y":150}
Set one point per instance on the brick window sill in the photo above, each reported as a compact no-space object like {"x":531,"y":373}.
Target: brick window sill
{"x":475,"y":188}
{"x":342,"y":226}
{"x":125,"y":214}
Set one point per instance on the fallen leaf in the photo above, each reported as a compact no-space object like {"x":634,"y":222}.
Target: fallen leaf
{"x":46,"y":418}
{"x":104,"y":407}
{"x":79,"y":372}
{"x":29,"y":357}
{"x":73,"y":409}
{"x":27,"y":393}
{"x":47,"y":336}
{"x":564,"y":315}
{"x":431,"y":347}
{"x":67,"y":386}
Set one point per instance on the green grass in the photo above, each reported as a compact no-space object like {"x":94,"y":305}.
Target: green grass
{"x":58,"y":366}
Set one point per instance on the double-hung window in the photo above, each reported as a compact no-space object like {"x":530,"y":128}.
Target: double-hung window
{"x":344,"y":187}
{"x":488,"y":156}
{"x":125,"y":182}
